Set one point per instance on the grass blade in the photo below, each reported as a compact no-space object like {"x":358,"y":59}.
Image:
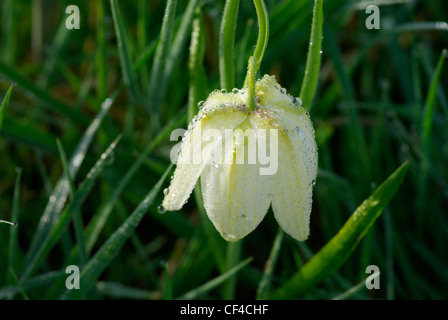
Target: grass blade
{"x":9,"y":30}
{"x":59,"y":195}
{"x":428,"y":116}
{"x":161,"y":54}
{"x":339,"y":248}
{"x":113,"y":245}
{"x":179,"y":42}
{"x":362,"y":284}
{"x":197,"y":78}
{"x":13,"y":235}
{"x":356,"y":140}
{"x":312,"y":68}
{"x":4,"y":105}
{"x":129,"y":77}
{"x":45,"y":279}
{"x":55,"y":105}
{"x":98,"y":222}
{"x":119,"y":291}
{"x":77,"y":218}
{"x":78,"y":198}
{"x":263,"y":286}
{"x":206,"y":287}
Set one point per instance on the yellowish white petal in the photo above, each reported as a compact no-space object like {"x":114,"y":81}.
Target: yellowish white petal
{"x":291,"y":187}
{"x":197,"y":150}
{"x":234,"y":194}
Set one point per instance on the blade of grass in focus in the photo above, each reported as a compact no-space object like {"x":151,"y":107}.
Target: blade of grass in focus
{"x":339,"y":248}
{"x":96,"y":225}
{"x":59,"y":195}
{"x":110,"y":249}
{"x":53,"y":235}
{"x":78,"y":225}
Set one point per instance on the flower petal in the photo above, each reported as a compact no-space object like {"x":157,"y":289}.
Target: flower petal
{"x":292,"y":186}
{"x":234,"y":194}
{"x":197,"y":150}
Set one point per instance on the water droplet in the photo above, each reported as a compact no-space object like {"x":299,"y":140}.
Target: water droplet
{"x":297,"y":101}
{"x":320,"y":51}
{"x":106,"y":103}
{"x":165,"y":191}
{"x":110,"y":159}
{"x":442,"y":25}
{"x":201,"y":104}
{"x":283,"y":90}
{"x":235,"y":90}
{"x":223,"y":91}
{"x":161,"y":209}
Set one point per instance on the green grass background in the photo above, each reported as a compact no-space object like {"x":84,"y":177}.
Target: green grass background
{"x":376,"y":106}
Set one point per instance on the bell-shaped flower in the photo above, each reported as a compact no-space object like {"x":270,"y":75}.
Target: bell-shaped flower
{"x":248,"y":159}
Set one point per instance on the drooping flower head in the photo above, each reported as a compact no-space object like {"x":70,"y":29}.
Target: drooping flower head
{"x":248,"y":160}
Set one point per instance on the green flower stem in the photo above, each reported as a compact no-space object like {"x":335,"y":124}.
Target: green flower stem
{"x":226,"y":44}
{"x":251,"y":73}
{"x":263,"y":35}
{"x":233,"y":258}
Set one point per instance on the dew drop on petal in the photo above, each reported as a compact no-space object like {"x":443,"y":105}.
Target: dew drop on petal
{"x":161,"y":209}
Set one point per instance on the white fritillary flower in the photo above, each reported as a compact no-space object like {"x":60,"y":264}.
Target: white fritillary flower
{"x":238,"y":183}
